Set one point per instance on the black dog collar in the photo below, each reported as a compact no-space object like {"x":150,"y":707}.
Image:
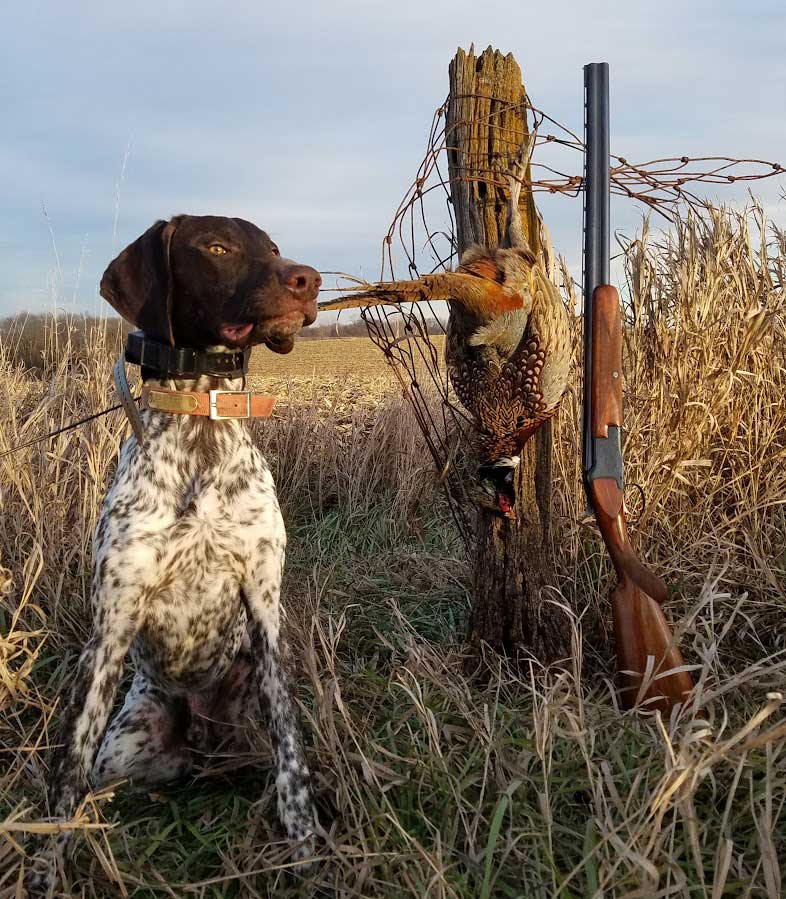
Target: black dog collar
{"x":184,"y":362}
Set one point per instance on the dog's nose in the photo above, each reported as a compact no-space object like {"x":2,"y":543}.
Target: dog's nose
{"x":303,"y":281}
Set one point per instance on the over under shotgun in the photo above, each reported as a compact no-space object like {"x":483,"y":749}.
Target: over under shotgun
{"x":640,"y":628}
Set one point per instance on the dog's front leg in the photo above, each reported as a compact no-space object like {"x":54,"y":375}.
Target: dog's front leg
{"x":293,"y":782}
{"x":83,"y":724}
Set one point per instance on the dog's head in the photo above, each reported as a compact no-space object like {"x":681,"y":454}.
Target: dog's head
{"x":207,"y":280}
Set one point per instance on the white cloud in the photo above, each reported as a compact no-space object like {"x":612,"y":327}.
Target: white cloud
{"x":312,"y":117}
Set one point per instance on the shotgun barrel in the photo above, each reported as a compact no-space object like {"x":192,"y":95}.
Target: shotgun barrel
{"x":650,"y":665}
{"x":596,"y":227}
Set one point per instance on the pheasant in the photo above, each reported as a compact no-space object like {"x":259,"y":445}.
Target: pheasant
{"x":508,"y":348}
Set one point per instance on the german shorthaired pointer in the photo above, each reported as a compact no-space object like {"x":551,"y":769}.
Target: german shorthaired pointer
{"x":189,"y":547}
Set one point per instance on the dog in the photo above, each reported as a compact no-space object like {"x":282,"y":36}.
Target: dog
{"x":189,"y":546}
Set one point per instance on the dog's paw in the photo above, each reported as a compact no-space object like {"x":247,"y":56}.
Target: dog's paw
{"x":304,"y":856}
{"x":41,"y":876}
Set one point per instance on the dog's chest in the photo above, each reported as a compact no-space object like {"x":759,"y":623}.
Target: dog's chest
{"x":200,"y":516}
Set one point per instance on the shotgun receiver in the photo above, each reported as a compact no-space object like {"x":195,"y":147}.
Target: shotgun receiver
{"x":640,"y":628}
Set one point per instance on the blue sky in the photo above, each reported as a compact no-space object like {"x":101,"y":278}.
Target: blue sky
{"x":310,"y":118}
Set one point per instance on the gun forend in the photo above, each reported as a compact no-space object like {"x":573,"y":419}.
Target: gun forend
{"x":606,"y":360}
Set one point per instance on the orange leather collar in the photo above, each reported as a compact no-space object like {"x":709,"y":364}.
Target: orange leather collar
{"x":215,"y":404}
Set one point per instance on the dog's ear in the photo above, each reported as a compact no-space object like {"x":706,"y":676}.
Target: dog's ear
{"x":138,"y":284}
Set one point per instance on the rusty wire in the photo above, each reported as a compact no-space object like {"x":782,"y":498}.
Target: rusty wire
{"x":660,"y":184}
{"x":666,"y":186}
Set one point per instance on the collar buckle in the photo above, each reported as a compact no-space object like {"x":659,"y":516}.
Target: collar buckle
{"x":214,"y":395}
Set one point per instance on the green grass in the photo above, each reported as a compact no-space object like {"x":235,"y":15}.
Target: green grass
{"x":430,"y":783}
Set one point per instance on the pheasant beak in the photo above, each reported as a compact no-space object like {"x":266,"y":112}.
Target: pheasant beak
{"x":497,"y":486}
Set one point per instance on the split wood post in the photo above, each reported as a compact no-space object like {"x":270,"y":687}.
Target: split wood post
{"x":486,"y":123}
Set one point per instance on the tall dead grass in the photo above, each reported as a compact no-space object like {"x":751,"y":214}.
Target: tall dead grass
{"x":705,"y":436}
{"x":432,"y":785}
{"x":36,"y":340}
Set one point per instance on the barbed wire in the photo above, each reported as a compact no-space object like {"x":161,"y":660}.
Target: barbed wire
{"x":661,"y":184}
{"x":667,"y":186}
{"x":404,"y":338}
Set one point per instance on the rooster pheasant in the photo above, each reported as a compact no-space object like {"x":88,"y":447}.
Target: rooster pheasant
{"x":508,"y":347}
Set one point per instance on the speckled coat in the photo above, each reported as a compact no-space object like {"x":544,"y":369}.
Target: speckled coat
{"x":188,"y":556}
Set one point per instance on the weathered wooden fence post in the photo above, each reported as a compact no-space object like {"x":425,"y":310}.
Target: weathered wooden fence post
{"x":486,"y":123}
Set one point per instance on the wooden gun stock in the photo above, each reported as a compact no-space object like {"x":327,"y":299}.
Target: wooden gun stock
{"x":640,"y":627}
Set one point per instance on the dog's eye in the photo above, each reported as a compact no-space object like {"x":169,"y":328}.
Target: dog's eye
{"x":216,"y":249}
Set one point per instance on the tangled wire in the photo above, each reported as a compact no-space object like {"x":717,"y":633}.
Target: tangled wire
{"x":661,"y":184}
{"x":666,"y":186}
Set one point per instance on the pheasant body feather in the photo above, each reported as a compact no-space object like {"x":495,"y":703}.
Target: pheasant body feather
{"x":508,"y":347}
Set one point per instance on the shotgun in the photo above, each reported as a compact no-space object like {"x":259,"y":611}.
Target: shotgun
{"x":641,"y":633}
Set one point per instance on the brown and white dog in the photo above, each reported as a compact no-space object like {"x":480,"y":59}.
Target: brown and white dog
{"x":189,"y":548}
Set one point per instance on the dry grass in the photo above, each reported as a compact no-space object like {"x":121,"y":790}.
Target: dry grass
{"x":432,"y":784}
